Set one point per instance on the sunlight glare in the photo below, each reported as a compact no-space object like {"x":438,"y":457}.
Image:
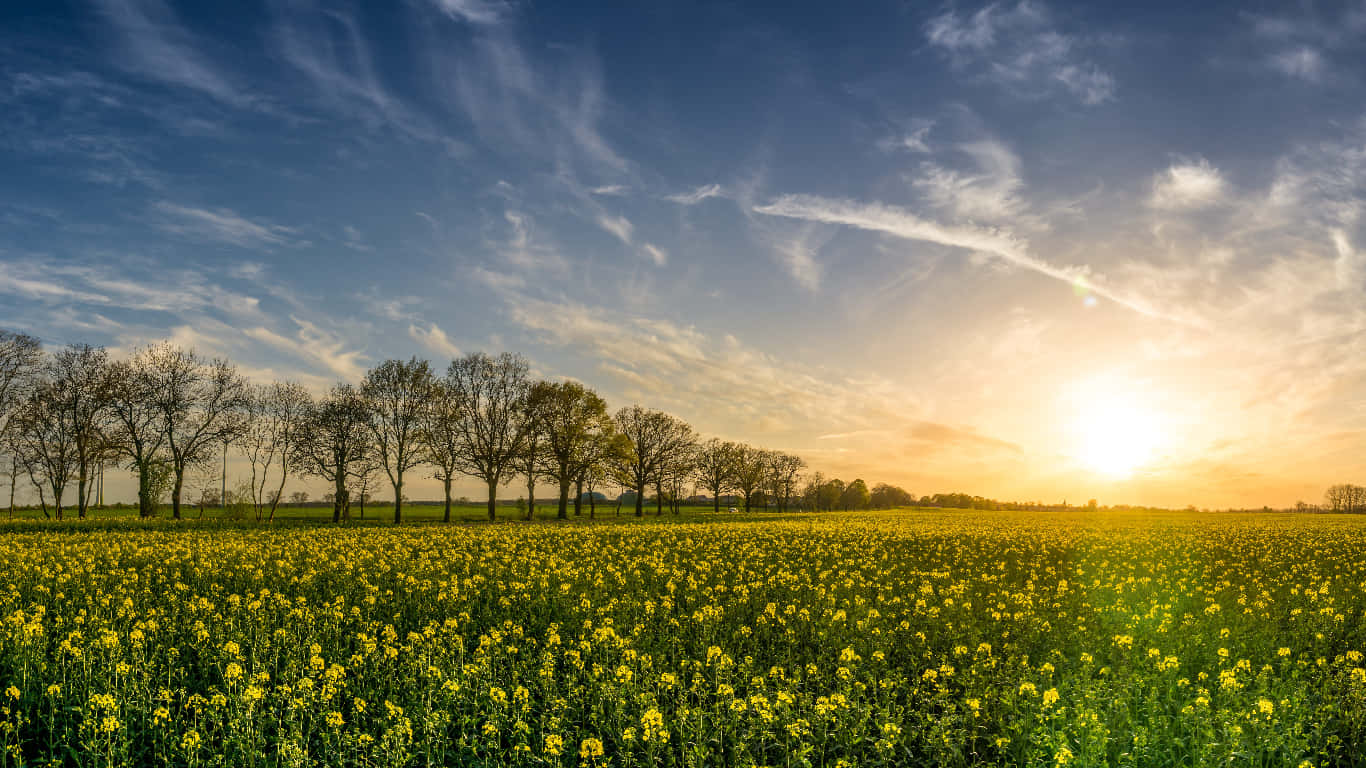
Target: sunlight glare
{"x":1116,"y":435}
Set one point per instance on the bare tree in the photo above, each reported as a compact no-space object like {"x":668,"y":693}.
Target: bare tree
{"x":751,"y":469}
{"x":137,"y":430}
{"x":20,"y":356}
{"x":1346,"y":497}
{"x":574,"y":423}
{"x":398,"y":392}
{"x":200,"y":404}
{"x":716,"y":468}
{"x":335,"y":440}
{"x":533,"y":462}
{"x":440,"y":437}
{"x":792,"y":468}
{"x":490,"y":392}
{"x":46,"y":442}
{"x":80,"y":382}
{"x":273,"y":415}
{"x":288,"y":407}
{"x":679,"y":470}
{"x":650,"y":438}
{"x":597,"y":466}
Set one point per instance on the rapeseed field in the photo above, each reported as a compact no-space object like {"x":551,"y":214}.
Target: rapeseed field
{"x":902,"y":638}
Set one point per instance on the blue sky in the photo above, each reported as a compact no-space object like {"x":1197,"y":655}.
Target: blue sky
{"x":946,"y":245}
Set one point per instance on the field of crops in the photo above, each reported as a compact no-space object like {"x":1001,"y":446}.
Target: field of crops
{"x":944,"y":638}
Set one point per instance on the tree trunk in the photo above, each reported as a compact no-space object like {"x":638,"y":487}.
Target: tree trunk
{"x":716,"y":500}
{"x":748,"y":496}
{"x":175,"y":492}
{"x":446,"y":518}
{"x":81,"y":481}
{"x":592,"y":504}
{"x":640,"y":501}
{"x":659,"y":499}
{"x":578,"y":498}
{"x":338,"y":497}
{"x":493,"y":496}
{"x":531,"y":495}
{"x":144,"y":504}
{"x":13,"y":480}
{"x":279,"y":492}
{"x":398,"y":501}
{"x":563,"y":513}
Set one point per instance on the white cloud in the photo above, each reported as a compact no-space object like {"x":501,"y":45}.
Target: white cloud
{"x":658,"y":255}
{"x":991,"y":194}
{"x":798,"y":257}
{"x":618,"y":226}
{"x":1303,"y":62}
{"x":610,"y":190}
{"x":1019,"y":46}
{"x":716,"y":383}
{"x":314,"y":344}
{"x":1089,"y":84}
{"x":434,"y":340}
{"x":476,"y":11}
{"x":1188,"y":186}
{"x":220,"y":224}
{"x":876,"y":217}
{"x":697,"y":195}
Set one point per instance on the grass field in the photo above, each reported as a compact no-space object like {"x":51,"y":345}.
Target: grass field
{"x":899,"y":638}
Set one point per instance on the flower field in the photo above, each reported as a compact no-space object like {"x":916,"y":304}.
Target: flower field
{"x":902,"y":638}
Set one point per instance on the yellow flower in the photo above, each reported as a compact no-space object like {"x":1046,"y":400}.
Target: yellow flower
{"x":190,"y":741}
{"x":554,"y":744}
{"x":590,"y":748}
{"x":1050,"y":697}
{"x":335,"y":720}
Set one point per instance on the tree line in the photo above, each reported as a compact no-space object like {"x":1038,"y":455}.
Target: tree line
{"x":171,"y":416}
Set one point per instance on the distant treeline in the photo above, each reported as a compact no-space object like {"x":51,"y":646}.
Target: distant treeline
{"x":172,"y":417}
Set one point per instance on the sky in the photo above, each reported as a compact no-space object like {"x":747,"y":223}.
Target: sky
{"x":1026,"y":250}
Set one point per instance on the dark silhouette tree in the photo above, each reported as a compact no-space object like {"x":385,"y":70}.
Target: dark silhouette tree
{"x":398,"y":392}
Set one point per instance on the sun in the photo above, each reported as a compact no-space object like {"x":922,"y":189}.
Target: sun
{"x":1116,"y":435}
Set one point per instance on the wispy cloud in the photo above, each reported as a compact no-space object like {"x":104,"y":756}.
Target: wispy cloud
{"x":876,"y":217}
{"x":618,"y":226}
{"x":550,"y":109}
{"x":476,"y":11}
{"x":656,"y":254}
{"x":154,"y":44}
{"x":315,"y":344}
{"x":1021,"y":46}
{"x":434,"y":340}
{"x":678,"y":367}
{"x":1303,"y":62}
{"x":913,"y":139}
{"x":990,"y":193}
{"x":696,"y":196}
{"x":221,"y":224}
{"x":798,"y":257}
{"x":523,"y":250}
{"x":1188,"y":186}
{"x":330,"y":49}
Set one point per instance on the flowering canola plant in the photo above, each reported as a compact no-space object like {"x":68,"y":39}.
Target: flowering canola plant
{"x":904,"y":638}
